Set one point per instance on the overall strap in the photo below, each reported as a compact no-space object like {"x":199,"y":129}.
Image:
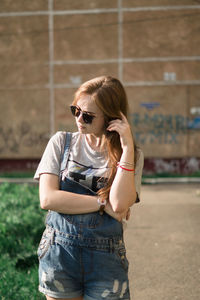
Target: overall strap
{"x":66,"y":151}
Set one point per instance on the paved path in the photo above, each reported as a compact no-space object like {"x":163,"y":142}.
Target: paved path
{"x":163,"y":243}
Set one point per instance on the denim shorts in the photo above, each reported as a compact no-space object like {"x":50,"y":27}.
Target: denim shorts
{"x":73,"y":265}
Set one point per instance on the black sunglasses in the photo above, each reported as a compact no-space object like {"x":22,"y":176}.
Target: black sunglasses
{"x":76,"y":111}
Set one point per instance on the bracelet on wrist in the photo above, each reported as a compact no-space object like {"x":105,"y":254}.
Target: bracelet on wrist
{"x":123,"y":168}
{"x":125,"y":163}
{"x":102,"y":204}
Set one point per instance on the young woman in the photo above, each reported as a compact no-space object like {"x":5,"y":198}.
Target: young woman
{"x":88,"y":181}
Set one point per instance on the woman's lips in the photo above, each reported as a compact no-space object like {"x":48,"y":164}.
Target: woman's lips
{"x":81,"y":126}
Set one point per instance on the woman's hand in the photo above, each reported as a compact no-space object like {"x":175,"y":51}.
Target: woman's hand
{"x":118,"y":216}
{"x":123,"y":128}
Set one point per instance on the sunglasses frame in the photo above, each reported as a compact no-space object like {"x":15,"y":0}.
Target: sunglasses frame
{"x":76,"y":111}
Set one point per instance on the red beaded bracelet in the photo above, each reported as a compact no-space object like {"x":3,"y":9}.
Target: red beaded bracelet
{"x":119,"y":166}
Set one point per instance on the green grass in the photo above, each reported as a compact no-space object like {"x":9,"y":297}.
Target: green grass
{"x":16,"y":174}
{"x":21,"y":227}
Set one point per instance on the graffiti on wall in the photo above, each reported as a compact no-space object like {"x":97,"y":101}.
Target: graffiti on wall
{"x":185,"y":166}
{"x":13,"y":138}
{"x":150,"y":105}
{"x":158,"y":128}
{"x":194,"y":124}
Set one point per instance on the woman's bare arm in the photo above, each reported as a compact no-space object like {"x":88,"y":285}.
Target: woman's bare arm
{"x":52,"y":198}
{"x":123,"y":192}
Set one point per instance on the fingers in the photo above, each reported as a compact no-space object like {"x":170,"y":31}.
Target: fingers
{"x":117,"y":125}
{"x":123,"y":117}
{"x":123,"y":120}
{"x":122,"y":127}
{"x":113,"y":125}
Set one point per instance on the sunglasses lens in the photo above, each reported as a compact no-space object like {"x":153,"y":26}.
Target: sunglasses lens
{"x":87,"y":118}
{"x":77,"y":111}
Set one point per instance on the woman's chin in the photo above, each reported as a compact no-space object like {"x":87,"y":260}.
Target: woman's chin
{"x":81,"y":128}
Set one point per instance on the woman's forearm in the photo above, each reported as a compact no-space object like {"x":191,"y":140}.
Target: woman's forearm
{"x":69,"y":203}
{"x":52,"y":198}
{"x":122,"y":192}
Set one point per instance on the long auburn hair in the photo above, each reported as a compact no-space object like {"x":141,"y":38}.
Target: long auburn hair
{"x":109,"y":95}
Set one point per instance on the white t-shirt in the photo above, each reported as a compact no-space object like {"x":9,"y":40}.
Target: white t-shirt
{"x":85,"y":165}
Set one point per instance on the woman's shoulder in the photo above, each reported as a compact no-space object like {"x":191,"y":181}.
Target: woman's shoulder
{"x":60,"y":136}
{"x":57,"y":141}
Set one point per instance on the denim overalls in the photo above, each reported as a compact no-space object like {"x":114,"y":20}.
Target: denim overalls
{"x":84,"y":254}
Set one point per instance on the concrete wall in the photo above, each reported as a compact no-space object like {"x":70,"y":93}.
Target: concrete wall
{"x":48,"y":48}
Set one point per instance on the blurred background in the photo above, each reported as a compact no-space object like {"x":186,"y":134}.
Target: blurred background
{"x":49,"y":47}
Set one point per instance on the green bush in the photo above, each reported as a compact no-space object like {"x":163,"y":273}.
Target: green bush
{"x":21,"y":227}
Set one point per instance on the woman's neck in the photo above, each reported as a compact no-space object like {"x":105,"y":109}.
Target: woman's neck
{"x":94,"y":141}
